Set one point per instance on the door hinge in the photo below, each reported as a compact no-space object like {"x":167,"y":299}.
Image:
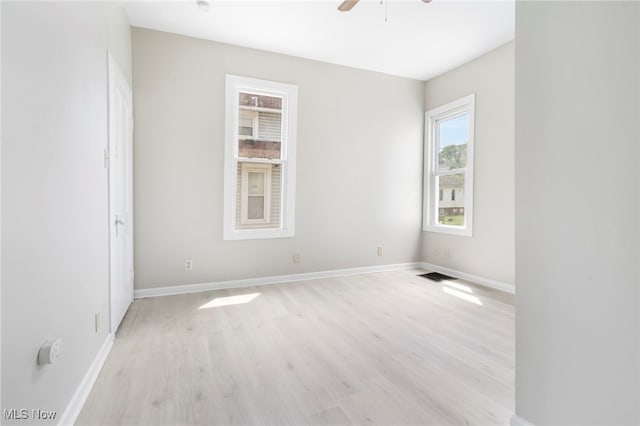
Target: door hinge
{"x":106,"y":159}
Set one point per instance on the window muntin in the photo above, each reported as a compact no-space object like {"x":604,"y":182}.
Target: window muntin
{"x":259,"y":158}
{"x":448,"y":186}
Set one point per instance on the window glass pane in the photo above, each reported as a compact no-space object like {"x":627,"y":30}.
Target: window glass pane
{"x":265,"y":121}
{"x":450,"y":206}
{"x":255,"y":207}
{"x":453,"y":135}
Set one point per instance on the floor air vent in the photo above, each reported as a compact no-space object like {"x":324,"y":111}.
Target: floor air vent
{"x":437,"y":277}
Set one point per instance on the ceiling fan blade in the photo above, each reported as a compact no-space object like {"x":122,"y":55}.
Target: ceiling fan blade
{"x":347,"y":5}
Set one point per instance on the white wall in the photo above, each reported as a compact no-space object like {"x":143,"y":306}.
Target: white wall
{"x":54,"y":192}
{"x":577,"y":109}
{"x":359,"y":164}
{"x":489,"y":253}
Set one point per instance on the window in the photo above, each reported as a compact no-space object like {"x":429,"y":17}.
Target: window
{"x":448,"y":184}
{"x":260,"y":139}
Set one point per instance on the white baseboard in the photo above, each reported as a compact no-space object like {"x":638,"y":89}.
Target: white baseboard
{"x":487,"y":282}
{"x":251,"y":282}
{"x":519,"y":421}
{"x":72,"y":411}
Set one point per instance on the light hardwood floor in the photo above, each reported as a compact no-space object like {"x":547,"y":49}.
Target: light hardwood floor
{"x":384,"y":348}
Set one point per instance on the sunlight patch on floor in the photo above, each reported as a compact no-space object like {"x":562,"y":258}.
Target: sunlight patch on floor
{"x":447,"y":288}
{"x":458,"y":286}
{"x":229,"y":300}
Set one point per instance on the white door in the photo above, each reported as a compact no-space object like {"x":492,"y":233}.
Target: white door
{"x":120,"y":194}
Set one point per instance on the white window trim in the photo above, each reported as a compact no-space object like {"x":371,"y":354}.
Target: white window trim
{"x":289,"y":94}
{"x":429,"y":214}
{"x":244,"y":193}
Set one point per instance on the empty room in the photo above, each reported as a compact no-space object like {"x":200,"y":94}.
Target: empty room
{"x":349,"y":212}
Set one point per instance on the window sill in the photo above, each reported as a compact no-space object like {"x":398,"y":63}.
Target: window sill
{"x":450,"y":230}
{"x":257,"y":234}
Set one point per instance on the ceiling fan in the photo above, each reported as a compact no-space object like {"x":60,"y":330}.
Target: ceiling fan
{"x":347,"y":5}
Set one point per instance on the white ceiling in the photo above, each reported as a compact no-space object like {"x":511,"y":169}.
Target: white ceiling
{"x":419,"y":40}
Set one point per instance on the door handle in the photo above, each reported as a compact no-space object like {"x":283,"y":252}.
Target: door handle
{"x":119,"y":221}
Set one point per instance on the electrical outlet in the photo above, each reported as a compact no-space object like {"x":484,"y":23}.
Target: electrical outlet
{"x":379,"y":250}
{"x":435,"y":252}
{"x":188,"y":265}
{"x":96,"y":321}
{"x":296,"y":257}
{"x":446,"y":253}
